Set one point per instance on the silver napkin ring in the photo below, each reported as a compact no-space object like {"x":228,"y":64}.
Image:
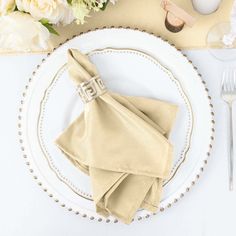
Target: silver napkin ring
{"x":91,"y":89}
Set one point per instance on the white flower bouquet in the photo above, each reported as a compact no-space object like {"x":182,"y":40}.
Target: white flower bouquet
{"x":26,"y":25}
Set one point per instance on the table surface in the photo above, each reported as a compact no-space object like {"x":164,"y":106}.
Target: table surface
{"x":25,"y":210}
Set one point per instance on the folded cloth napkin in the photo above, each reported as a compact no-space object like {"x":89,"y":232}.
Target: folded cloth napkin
{"x":121,"y":142}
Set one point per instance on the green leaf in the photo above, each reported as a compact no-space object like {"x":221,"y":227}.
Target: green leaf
{"x":51,"y":29}
{"x":44,"y":21}
{"x":69,"y":2}
{"x":49,"y":26}
{"x":104,"y":5}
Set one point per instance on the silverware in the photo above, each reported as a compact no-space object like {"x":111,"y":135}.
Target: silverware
{"x":228,"y":94}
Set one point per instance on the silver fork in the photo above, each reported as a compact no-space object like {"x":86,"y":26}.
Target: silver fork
{"x":228,"y":94}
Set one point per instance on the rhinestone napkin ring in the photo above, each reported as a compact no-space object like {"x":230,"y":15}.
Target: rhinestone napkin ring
{"x":91,"y":89}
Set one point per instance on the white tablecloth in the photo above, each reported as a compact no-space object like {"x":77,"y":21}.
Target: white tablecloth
{"x":209,"y":209}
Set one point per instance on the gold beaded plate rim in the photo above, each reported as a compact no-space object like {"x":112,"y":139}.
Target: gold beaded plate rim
{"x":101,"y":219}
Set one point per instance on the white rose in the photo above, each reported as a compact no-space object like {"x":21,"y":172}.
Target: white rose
{"x":6,"y":6}
{"x":21,"y":32}
{"x":56,"y":11}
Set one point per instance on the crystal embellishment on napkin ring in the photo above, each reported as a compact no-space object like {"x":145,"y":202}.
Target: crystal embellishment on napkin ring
{"x":91,"y":89}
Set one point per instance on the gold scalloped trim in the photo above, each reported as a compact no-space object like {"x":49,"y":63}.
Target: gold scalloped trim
{"x":85,"y":215}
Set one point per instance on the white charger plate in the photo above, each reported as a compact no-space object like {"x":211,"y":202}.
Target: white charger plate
{"x":131,"y":63}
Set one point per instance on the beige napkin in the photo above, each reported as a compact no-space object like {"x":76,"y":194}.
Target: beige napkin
{"x":121,"y":142}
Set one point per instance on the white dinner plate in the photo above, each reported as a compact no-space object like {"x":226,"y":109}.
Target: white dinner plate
{"x":131,"y":63}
